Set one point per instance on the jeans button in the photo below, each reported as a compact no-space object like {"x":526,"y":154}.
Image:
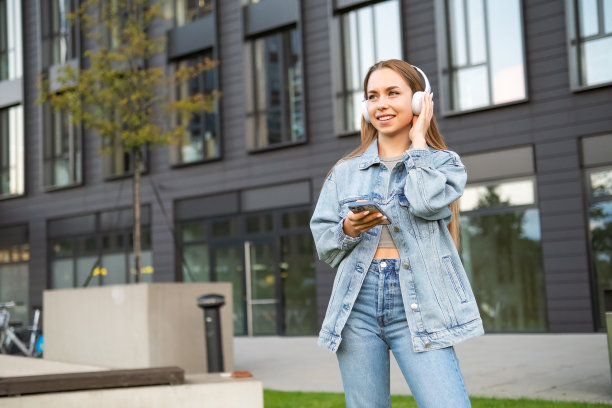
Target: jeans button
{"x":427,"y":344}
{"x":414,"y":306}
{"x":406,"y":265}
{"x":383,"y":264}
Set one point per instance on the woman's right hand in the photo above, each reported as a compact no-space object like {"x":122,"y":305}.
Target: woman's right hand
{"x":355,"y":224}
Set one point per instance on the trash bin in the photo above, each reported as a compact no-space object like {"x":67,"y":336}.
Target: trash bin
{"x":212,"y":330}
{"x":608,"y":310}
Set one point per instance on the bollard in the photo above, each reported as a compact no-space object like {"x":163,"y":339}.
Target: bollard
{"x":212,"y":331}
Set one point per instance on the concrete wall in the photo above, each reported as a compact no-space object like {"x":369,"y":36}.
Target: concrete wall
{"x":134,"y":326}
{"x":197,"y":392}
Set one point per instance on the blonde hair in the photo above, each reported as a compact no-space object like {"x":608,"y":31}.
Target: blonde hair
{"x":433,"y":136}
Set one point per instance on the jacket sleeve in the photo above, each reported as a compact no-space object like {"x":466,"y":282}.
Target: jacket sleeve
{"x":434,"y":180}
{"x":326,"y":225}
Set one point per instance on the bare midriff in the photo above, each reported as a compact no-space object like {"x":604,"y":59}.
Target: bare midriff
{"x":386,"y":253}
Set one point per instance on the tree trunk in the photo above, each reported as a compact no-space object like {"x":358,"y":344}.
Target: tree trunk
{"x":136,"y":189}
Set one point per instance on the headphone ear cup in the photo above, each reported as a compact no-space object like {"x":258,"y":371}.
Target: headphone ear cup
{"x":364,"y":110}
{"x":417,"y":100}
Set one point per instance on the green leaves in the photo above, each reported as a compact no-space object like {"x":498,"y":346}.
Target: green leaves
{"x":118,"y":92}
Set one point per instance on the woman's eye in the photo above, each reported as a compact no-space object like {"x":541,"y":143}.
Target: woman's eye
{"x":393,"y":93}
{"x":371,"y":97}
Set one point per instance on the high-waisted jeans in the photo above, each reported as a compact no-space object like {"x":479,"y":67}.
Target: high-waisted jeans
{"x":378,"y":323}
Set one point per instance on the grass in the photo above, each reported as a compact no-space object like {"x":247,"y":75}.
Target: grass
{"x":282,"y":399}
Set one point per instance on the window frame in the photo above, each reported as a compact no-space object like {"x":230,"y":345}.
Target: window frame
{"x":575,"y":45}
{"x":22,"y":170}
{"x":210,"y":53}
{"x":75,"y":133}
{"x":48,"y":36}
{"x":199,"y":13}
{"x":98,"y":232}
{"x":340,"y":9}
{"x":252,"y":88}
{"x":445,"y":71}
{"x":13,"y":52}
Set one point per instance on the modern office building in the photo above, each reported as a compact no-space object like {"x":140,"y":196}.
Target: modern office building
{"x":523,"y":92}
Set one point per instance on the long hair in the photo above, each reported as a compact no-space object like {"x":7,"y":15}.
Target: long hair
{"x":433,"y":136}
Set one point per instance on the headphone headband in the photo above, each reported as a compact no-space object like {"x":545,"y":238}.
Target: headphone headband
{"x":417,"y":97}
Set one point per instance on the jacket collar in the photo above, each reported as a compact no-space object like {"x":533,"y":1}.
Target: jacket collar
{"x":370,"y":156}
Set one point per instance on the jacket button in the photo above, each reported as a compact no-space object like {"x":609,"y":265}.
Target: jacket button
{"x":406,"y":265}
{"x":414,"y":306}
{"x":427,"y":344}
{"x":396,"y":228}
{"x":383,"y":264}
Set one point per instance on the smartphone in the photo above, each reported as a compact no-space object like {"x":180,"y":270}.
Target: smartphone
{"x":367,"y":205}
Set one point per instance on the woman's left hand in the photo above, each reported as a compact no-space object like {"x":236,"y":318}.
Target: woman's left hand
{"x":420,"y":123}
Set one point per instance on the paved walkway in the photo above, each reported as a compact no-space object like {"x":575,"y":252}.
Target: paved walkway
{"x":572,"y":367}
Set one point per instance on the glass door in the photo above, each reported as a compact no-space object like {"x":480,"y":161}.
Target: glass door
{"x":262,"y":287}
{"x":228,"y":267}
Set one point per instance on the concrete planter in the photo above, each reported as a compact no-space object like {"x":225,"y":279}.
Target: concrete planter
{"x":134,"y":326}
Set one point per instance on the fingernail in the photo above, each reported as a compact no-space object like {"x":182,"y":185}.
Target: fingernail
{"x":366,"y":213}
{"x":379,"y":215}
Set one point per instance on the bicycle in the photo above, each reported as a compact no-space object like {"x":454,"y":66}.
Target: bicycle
{"x":11,"y":339}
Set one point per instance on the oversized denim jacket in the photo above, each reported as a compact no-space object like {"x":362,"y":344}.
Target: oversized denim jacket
{"x":438,"y":299}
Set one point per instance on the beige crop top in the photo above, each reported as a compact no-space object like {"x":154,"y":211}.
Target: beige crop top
{"x":386,"y":241}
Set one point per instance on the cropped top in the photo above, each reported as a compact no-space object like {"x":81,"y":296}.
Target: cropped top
{"x":386,"y":241}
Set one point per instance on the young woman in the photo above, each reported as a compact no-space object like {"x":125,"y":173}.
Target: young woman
{"x":399,"y":286}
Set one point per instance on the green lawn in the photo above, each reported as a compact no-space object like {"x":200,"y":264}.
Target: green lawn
{"x":281,"y":399}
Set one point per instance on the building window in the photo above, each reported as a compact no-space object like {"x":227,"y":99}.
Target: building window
{"x":14,"y":271}
{"x":97,"y":249}
{"x":201,"y":138}
{"x":274,"y":105}
{"x":187,"y":11}
{"x":11,"y":151}
{"x":599,"y":182}
{"x":590,"y":42}
{"x":243,"y":249}
{"x":59,"y":37}
{"x":483,"y":64}
{"x":10,"y":40}
{"x":367,"y":35}
{"x":260,"y":241}
{"x":119,"y":160}
{"x":597,"y":164}
{"x":62,"y":149}
{"x":502,"y":254}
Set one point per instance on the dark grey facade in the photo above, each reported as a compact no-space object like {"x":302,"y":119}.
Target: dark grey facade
{"x":552,"y":120}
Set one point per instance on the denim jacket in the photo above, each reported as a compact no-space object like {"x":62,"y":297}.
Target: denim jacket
{"x":439,"y":303}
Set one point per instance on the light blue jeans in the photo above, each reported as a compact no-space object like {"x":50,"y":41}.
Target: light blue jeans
{"x":378,"y":323}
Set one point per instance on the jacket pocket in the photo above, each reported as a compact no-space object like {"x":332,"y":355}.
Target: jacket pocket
{"x":455,"y":278}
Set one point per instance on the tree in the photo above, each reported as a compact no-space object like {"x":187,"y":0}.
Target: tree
{"x":118,"y":93}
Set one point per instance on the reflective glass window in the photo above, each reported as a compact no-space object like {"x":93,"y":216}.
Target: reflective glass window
{"x":187,"y":11}
{"x":10,"y":40}
{"x":61,"y":149}
{"x":102,"y":258}
{"x":58,"y":33}
{"x":367,"y":34}
{"x":501,"y":250}
{"x":14,"y":272}
{"x":275,"y":98}
{"x":591,"y":41}
{"x":11,"y":151}
{"x":200,"y":140}
{"x":600,"y":227}
{"x":486,"y":63}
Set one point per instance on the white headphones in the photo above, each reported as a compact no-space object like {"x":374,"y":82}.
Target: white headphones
{"x":417,"y":98}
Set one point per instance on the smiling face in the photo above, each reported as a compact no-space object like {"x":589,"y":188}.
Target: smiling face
{"x":389,"y":103}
